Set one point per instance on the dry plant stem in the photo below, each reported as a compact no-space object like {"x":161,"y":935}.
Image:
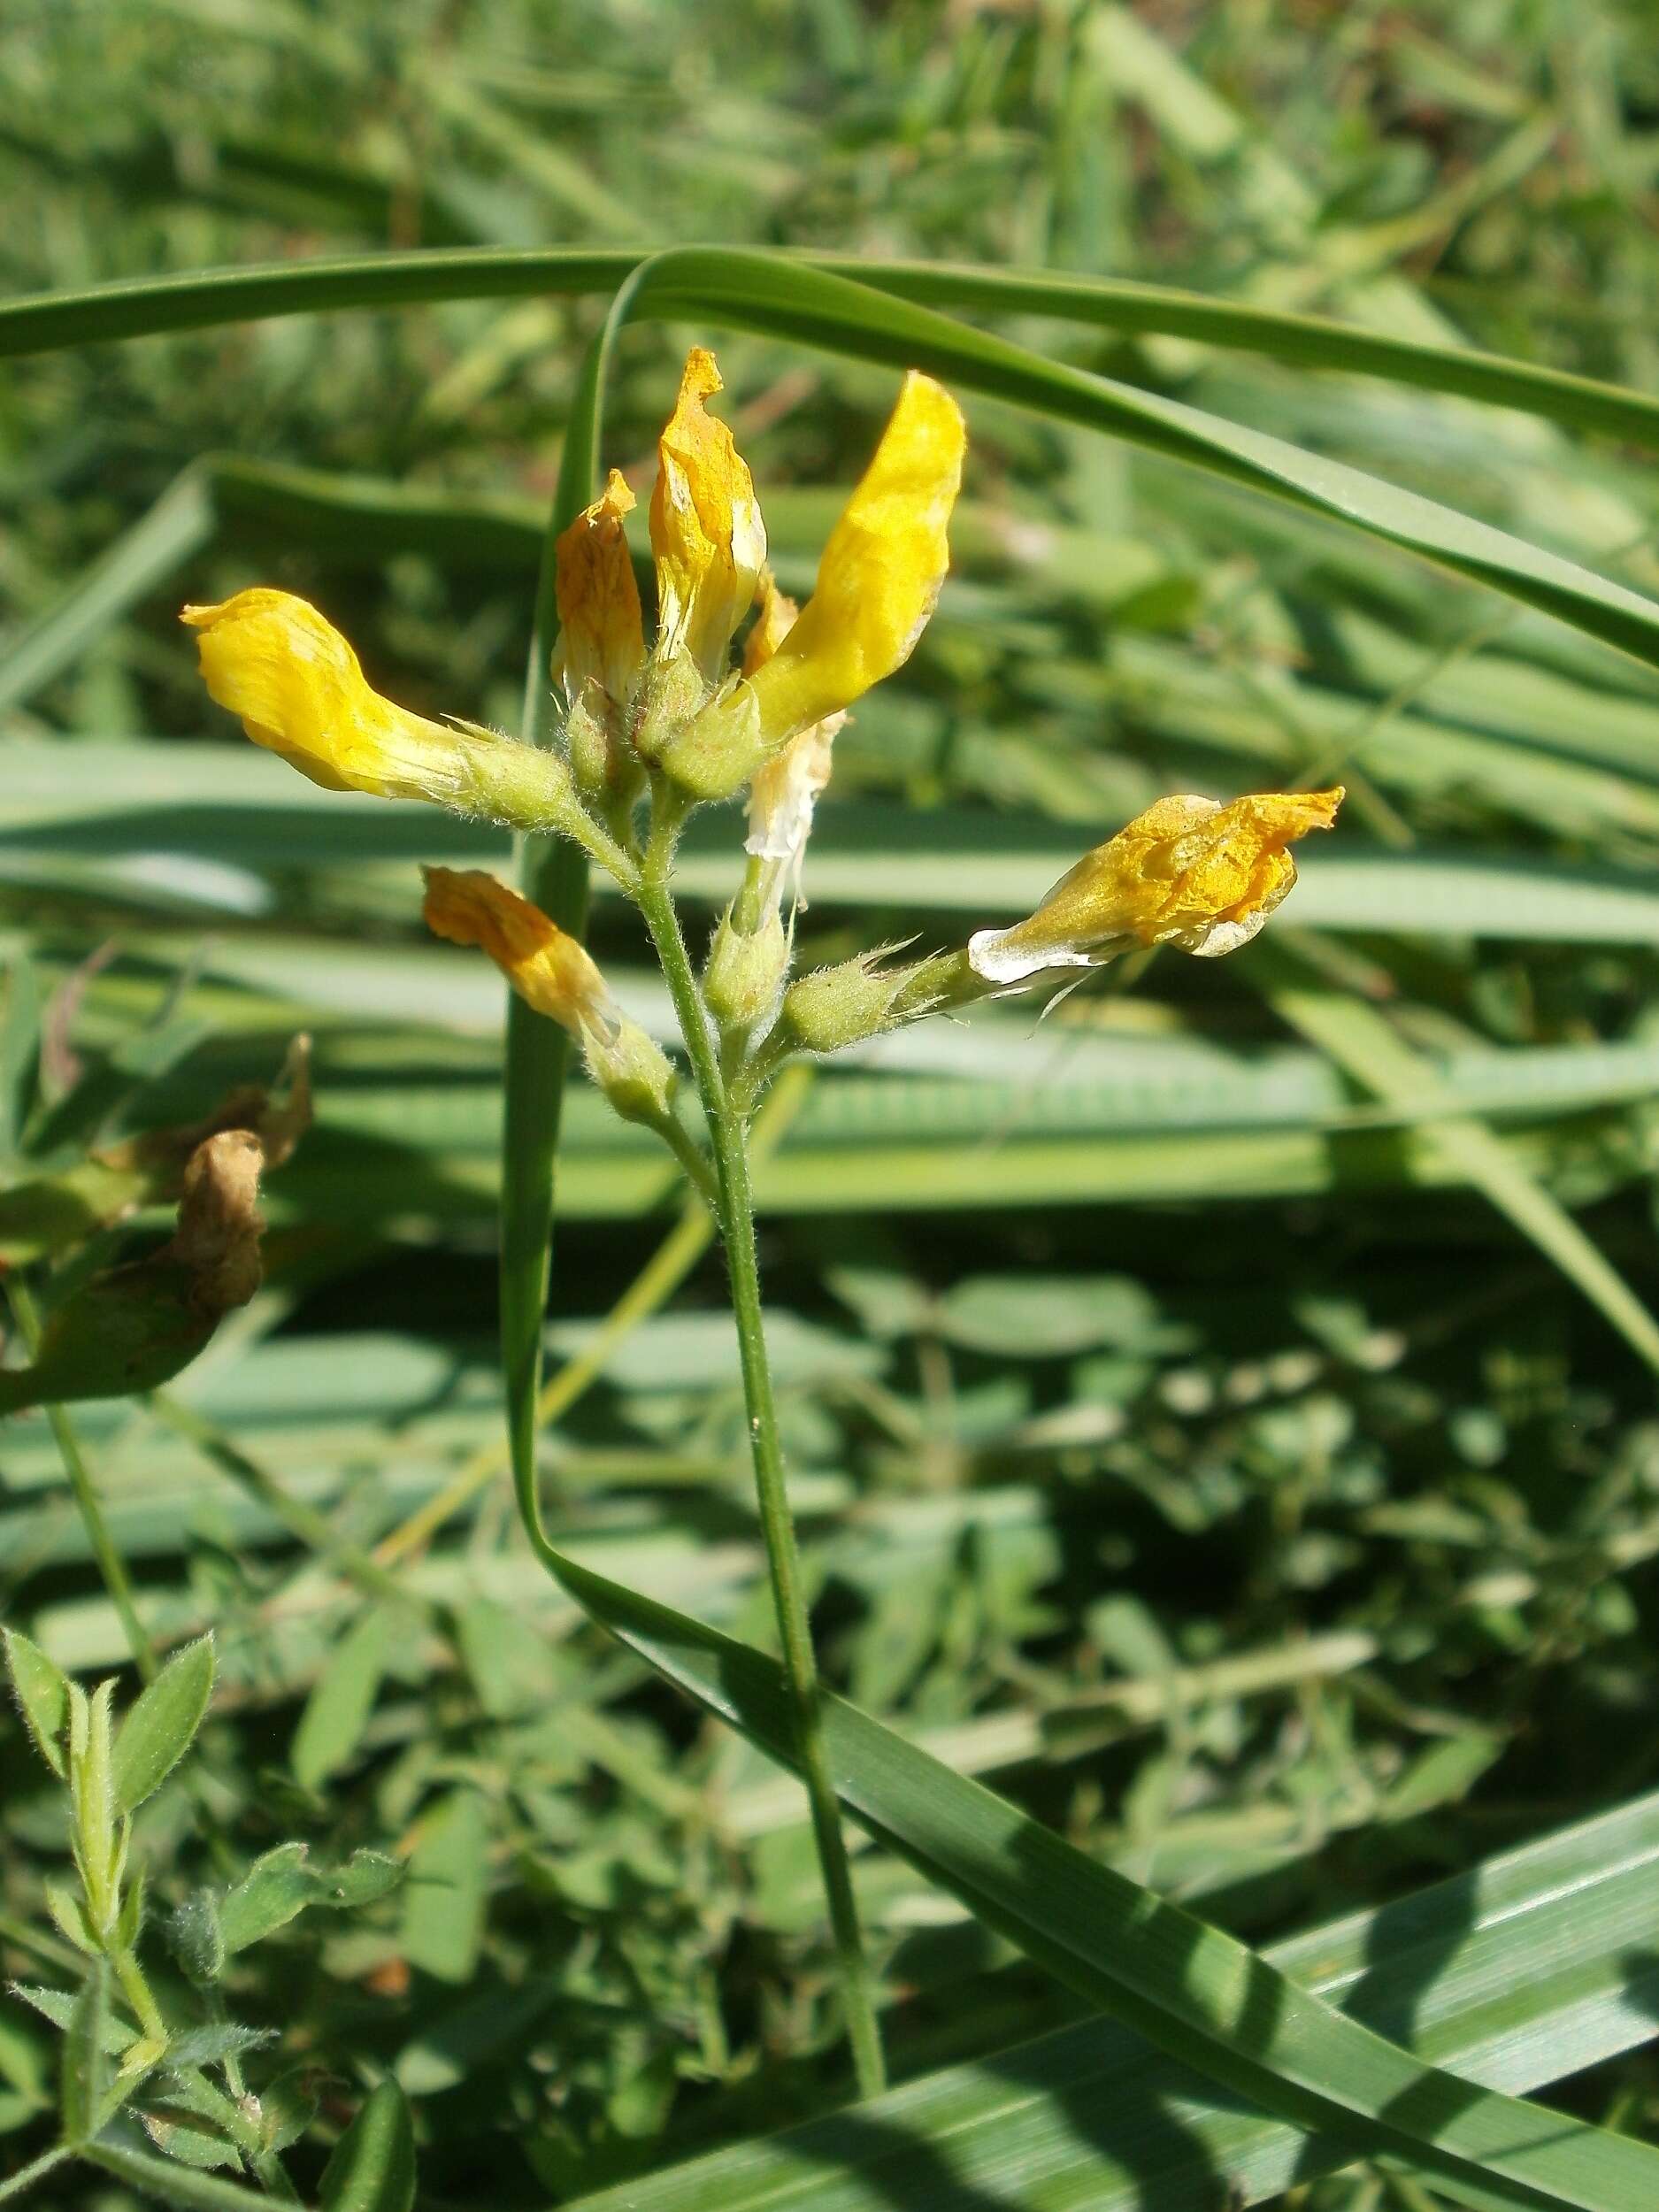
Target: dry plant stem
{"x":729,"y":1136}
{"x":110,"y":1565}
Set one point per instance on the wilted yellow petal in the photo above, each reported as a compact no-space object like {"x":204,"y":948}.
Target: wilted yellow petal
{"x":550,"y":972}
{"x":1187,"y":872}
{"x":546,"y":966}
{"x":296,"y":685}
{"x":881,"y":570}
{"x":778,"y":616}
{"x":601,"y":637}
{"x":706,"y":530}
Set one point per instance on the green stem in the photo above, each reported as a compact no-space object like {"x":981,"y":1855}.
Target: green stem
{"x":35,"y":2170}
{"x":691,"y":1158}
{"x":111,"y":1564}
{"x":729,"y":1137}
{"x":136,"y":1989}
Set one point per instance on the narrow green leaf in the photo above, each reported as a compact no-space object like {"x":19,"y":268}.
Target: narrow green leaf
{"x":162,"y":1724}
{"x":372,"y":2169}
{"x":1199,"y":1995}
{"x":59,"y":2006}
{"x":282,"y":1884}
{"x":68,"y":1911}
{"x":758,"y":292}
{"x":337,"y":1711}
{"x":211,"y":2044}
{"x":42,"y":1689}
{"x":19,"y":1053}
{"x":208,"y":298}
{"x":1113,"y":2127}
{"x":813,"y":306}
{"x":555,"y":875}
{"x":444,"y":1901}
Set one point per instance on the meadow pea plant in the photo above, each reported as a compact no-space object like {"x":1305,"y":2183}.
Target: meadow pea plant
{"x":649,"y":732}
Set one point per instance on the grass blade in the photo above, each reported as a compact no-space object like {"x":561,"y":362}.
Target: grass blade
{"x":204,"y":299}
{"x":1202,"y":1998}
{"x":554,"y":874}
{"x":1110,"y":2125}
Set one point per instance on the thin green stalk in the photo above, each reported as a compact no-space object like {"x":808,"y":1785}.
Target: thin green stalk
{"x":729,"y":1137}
{"x":660,"y":1276}
{"x":35,"y":2170}
{"x":111,"y":1564}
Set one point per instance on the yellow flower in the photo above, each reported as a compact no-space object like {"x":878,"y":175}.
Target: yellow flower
{"x":551,"y":972}
{"x":1187,"y":872}
{"x":785,"y":793}
{"x":706,"y":530}
{"x":876,"y":585}
{"x":297,"y":684}
{"x":880,"y":573}
{"x":601,"y":637}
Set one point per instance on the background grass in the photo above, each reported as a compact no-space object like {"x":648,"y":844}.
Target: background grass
{"x":1182,"y":1436}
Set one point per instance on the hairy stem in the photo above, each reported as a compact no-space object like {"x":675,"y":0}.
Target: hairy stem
{"x":35,"y":2170}
{"x":729,"y":1137}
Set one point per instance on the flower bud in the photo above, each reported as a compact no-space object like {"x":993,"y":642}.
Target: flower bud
{"x":844,"y":1005}
{"x":745,"y":971}
{"x":669,"y":694}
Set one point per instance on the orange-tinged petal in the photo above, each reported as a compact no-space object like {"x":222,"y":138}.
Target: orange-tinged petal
{"x":550,"y":972}
{"x":1187,"y":872}
{"x":881,"y":570}
{"x":281,"y":666}
{"x":600,"y":636}
{"x":546,"y":966}
{"x":706,"y":530}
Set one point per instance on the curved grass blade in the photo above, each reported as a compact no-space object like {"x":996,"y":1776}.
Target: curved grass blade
{"x":1200,"y":1996}
{"x":554,"y":874}
{"x":1560,"y":1927}
{"x":204,"y":299}
{"x":760,"y":292}
{"x":171,"y":534}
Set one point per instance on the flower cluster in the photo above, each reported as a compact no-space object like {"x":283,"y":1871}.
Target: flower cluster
{"x":685,"y":717}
